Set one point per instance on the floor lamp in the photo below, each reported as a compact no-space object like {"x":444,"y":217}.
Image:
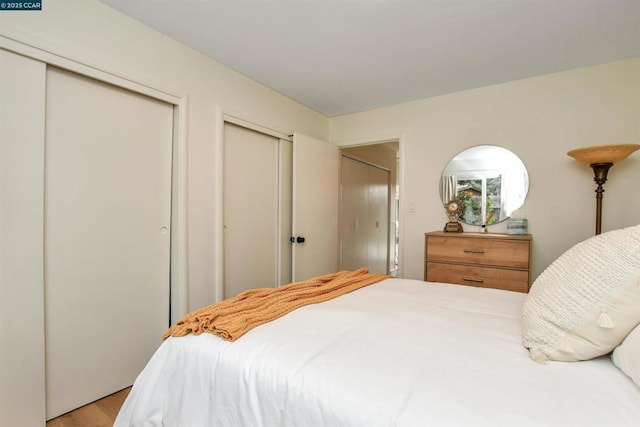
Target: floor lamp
{"x":601,"y":158}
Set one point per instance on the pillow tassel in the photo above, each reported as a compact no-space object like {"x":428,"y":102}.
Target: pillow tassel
{"x":604,"y":321}
{"x":566,"y":346}
{"x":537,"y":355}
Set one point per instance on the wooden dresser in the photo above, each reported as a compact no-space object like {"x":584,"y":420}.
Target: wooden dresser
{"x":501,"y":261}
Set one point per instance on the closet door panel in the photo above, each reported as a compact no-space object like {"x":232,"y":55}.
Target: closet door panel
{"x":107,"y":237}
{"x":378,"y":220}
{"x":285,"y":211}
{"x":22,"y":88}
{"x":354,"y":200}
{"x":250,"y":210}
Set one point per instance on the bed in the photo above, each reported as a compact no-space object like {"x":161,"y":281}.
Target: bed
{"x":398,"y":352}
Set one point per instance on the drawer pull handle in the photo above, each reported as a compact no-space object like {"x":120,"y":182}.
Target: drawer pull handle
{"x":474,"y":251}
{"x":472,"y":279}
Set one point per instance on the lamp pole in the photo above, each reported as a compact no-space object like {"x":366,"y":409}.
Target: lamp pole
{"x":600,"y":171}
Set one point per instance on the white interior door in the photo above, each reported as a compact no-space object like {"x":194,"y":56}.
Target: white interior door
{"x":107,"y":237}
{"x":316,"y":168}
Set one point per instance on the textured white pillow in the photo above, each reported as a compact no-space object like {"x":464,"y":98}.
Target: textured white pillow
{"x":587,"y":301}
{"x":627,"y":355}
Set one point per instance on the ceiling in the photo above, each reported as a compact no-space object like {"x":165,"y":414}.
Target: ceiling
{"x":344,"y":56}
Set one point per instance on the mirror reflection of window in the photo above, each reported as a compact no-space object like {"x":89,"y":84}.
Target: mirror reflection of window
{"x":470,"y":193}
{"x":481,"y":198}
{"x":491,"y":181}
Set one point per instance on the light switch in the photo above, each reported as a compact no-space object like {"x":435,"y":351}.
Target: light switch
{"x":412,"y":207}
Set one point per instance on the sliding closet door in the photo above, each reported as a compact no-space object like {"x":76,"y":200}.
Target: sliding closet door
{"x":22,"y":85}
{"x":378,"y":230}
{"x":107,"y":237}
{"x":257,"y":206}
{"x":354,"y":210}
{"x":285,"y":186}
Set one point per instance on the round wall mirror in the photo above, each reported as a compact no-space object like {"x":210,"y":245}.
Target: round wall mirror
{"x":491,"y":182}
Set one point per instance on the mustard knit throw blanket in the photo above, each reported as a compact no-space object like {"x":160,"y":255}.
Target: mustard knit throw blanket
{"x":232,"y":318}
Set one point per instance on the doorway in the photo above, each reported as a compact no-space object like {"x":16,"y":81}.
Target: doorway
{"x":381,"y":156}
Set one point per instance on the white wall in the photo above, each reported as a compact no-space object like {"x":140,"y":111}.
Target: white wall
{"x":539,"y":119}
{"x":96,"y":35}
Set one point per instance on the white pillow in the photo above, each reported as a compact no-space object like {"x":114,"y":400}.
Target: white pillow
{"x":585,"y":303}
{"x":627,"y":355}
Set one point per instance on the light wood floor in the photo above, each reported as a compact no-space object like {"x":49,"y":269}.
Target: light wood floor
{"x":100,"y":413}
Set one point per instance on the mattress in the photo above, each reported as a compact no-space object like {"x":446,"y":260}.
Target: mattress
{"x":396,"y":353}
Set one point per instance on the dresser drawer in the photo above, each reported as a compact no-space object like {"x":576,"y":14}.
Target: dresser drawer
{"x":491,"y":252}
{"x":485,"y":277}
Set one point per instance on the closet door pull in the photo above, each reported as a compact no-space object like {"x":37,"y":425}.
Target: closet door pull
{"x":472,"y":279}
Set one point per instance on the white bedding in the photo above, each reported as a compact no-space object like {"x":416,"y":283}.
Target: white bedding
{"x":396,"y":353}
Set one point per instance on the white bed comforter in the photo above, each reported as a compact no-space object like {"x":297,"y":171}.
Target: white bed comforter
{"x":396,"y":353}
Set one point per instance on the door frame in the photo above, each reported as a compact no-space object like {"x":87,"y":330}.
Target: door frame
{"x":383,"y":139}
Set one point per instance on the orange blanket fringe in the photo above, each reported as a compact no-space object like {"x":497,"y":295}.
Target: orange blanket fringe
{"x":232,"y":318}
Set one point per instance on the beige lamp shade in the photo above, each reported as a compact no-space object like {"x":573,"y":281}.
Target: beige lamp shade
{"x":603,"y":153}
{"x":601,"y":158}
